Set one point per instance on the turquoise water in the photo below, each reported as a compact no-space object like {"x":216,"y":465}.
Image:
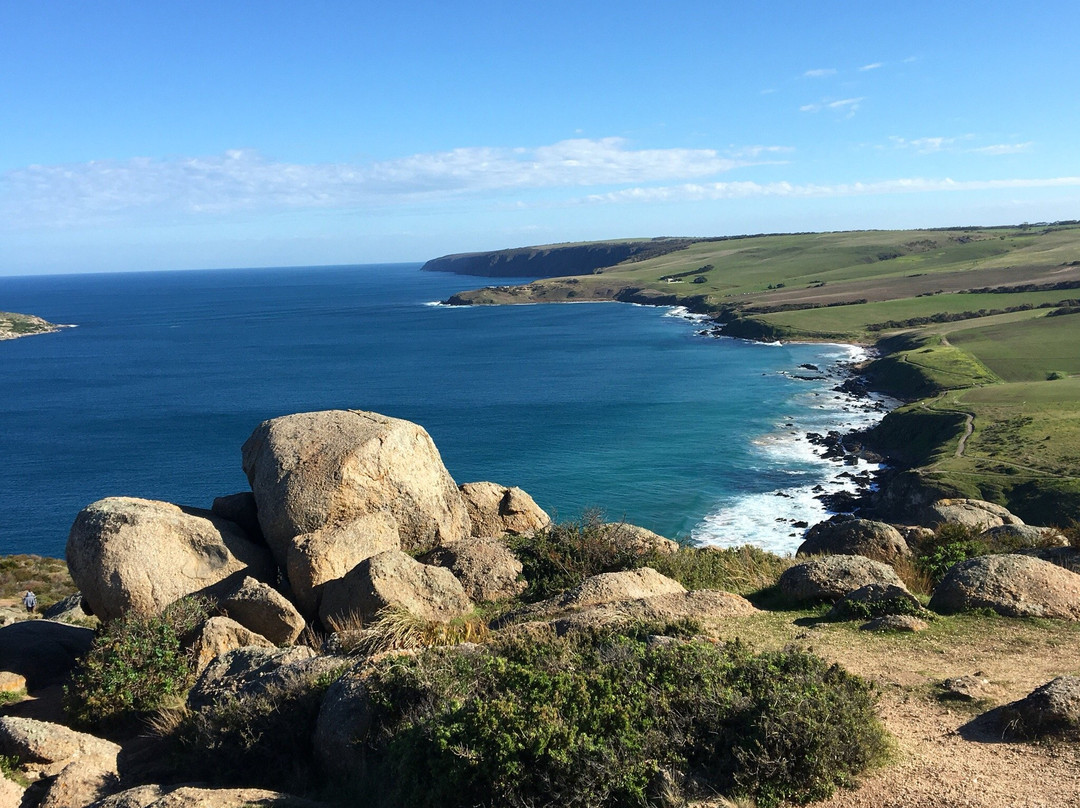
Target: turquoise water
{"x":614,"y":406}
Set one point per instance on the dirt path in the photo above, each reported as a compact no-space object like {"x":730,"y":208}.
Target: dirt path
{"x":944,"y":758}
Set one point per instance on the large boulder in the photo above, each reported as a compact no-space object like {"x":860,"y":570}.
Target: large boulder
{"x":129,"y":554}
{"x":487,"y":569}
{"x":611,"y":587}
{"x":33,"y":741}
{"x":11,"y":794}
{"x":972,"y":513}
{"x":329,"y":554}
{"x":1012,"y":585}
{"x":832,"y":577}
{"x":701,"y":605}
{"x":1015,"y":537}
{"x":1052,"y":710}
{"x":262,"y":609}
{"x":43,"y":651}
{"x":393,"y":578}
{"x":315,"y":470}
{"x":496,"y":510}
{"x":635,"y":539}
{"x":848,"y":536}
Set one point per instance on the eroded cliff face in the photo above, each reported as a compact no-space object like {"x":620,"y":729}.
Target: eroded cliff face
{"x":554,"y":261}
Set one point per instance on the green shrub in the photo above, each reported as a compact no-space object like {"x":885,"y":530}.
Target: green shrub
{"x":593,"y":720}
{"x":742,"y":570}
{"x":562,"y":556}
{"x":949,"y":545}
{"x":134,"y":666}
{"x":262,"y":740}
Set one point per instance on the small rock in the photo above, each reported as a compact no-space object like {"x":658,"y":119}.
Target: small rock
{"x":11,"y":682}
{"x":896,"y":622}
{"x":219,"y":635}
{"x":496,"y":510}
{"x":875,"y":600}
{"x":263,"y":610}
{"x":487,"y":569}
{"x":393,"y":578}
{"x":1052,"y":710}
{"x":972,"y":687}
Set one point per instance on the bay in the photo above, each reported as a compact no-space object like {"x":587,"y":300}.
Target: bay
{"x":611,"y":406}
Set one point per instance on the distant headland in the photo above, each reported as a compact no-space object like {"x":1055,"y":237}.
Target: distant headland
{"x":14,"y":325}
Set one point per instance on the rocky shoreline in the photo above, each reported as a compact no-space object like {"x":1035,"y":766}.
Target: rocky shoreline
{"x":13,"y":326}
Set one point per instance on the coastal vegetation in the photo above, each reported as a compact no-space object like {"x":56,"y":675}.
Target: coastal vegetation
{"x":976,"y":329}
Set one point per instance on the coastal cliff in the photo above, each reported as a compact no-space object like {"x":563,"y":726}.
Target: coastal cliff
{"x":554,"y":260}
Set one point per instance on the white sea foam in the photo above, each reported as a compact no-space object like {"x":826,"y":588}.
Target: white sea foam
{"x":684,"y":313}
{"x":769,"y":519}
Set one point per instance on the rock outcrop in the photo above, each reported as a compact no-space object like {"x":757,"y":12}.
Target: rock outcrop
{"x":973,"y":513}
{"x":636,"y":539}
{"x":246,"y":671}
{"x":487,"y":569}
{"x":318,"y":470}
{"x":393,"y":578}
{"x":832,"y":577}
{"x":496,"y":510}
{"x":185,"y":796}
{"x":139,"y":555}
{"x":847,"y":536}
{"x":1012,"y":585}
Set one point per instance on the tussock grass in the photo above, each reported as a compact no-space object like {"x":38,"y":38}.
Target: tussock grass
{"x":395,"y":628}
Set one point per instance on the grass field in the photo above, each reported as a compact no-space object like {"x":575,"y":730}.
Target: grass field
{"x":950,"y":344}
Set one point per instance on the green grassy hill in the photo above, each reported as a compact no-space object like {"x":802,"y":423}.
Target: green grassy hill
{"x":977,"y":326}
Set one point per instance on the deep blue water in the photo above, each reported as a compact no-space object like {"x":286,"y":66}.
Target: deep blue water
{"x":613,"y":406}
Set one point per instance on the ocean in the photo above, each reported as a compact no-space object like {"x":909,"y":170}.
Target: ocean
{"x":622,"y":408}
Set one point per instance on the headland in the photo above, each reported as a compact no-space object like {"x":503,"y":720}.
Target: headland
{"x":974,"y":329}
{"x":13,"y":326}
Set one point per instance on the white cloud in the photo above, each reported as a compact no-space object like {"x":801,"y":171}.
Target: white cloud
{"x":695,"y":192}
{"x":245,"y":180}
{"x":820,"y":73}
{"x":871,"y":66}
{"x":846,"y":105}
{"x":1004,"y":148}
{"x":933,"y":145}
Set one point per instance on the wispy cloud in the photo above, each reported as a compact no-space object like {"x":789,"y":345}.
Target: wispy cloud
{"x":933,"y":145}
{"x":848,"y":106}
{"x":820,"y":73}
{"x":693,"y":192}
{"x":1004,"y":148}
{"x":871,"y":66}
{"x":245,"y":180}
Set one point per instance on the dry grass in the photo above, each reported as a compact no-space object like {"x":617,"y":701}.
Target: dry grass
{"x":395,"y":628}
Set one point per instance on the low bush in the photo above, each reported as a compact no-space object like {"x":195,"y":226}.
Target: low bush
{"x":562,"y":556}
{"x":606,"y":719}
{"x":742,"y":570}
{"x":259,"y":740}
{"x":135,"y":665}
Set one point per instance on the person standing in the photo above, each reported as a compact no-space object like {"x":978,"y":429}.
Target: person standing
{"x":30,"y":601}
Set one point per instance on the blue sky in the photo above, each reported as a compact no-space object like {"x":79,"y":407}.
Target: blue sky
{"x":168,"y":135}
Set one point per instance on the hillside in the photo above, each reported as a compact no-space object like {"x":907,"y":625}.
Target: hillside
{"x":977,"y":328}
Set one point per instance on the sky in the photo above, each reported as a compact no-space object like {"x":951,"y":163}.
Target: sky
{"x":180,"y":135}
